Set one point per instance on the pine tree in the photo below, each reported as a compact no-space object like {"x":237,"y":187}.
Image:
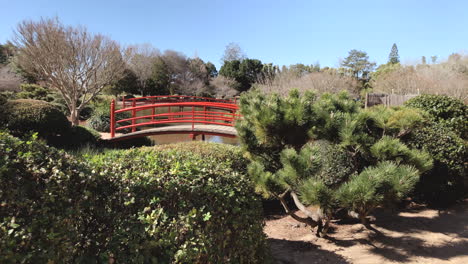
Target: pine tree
{"x":368,"y":167}
{"x":394,"y":58}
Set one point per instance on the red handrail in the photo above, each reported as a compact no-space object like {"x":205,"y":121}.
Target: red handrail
{"x":172,"y":98}
{"x":215,"y":112}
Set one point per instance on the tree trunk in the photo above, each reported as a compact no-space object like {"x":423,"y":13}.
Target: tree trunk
{"x":75,"y":117}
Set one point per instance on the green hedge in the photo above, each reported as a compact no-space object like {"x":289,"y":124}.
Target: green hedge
{"x":447,"y":181}
{"x":146,"y":205}
{"x":24,"y":116}
{"x":448,"y":111}
{"x":76,"y":137}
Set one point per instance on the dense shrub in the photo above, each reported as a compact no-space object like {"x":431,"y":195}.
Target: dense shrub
{"x":24,"y":116}
{"x":76,"y":137}
{"x":336,"y":163}
{"x":217,"y":153}
{"x":448,"y":180}
{"x":196,"y":193}
{"x":100,"y":117}
{"x":448,"y":111}
{"x":128,"y":143}
{"x":132,"y":206}
{"x":356,"y":160}
{"x":50,"y":204}
{"x":36,"y":92}
{"x":3,"y":99}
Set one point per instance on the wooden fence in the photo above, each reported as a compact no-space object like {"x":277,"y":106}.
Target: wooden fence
{"x":387,"y":99}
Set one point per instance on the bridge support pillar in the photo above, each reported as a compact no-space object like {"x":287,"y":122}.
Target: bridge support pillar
{"x":193,"y":136}
{"x":203,"y":137}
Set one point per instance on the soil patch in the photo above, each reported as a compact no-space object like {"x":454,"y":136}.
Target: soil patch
{"x":414,"y":235}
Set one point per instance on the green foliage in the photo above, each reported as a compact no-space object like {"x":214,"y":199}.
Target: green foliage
{"x":3,"y":99}
{"x":448,"y":180}
{"x":34,"y":91}
{"x":100,"y":117}
{"x":358,"y":63}
{"x":316,"y":192}
{"x":393,"y":57}
{"x":141,"y":206}
{"x":76,"y":137}
{"x":211,"y":69}
{"x":160,"y":81}
{"x":273,"y":123}
{"x":388,"y":148}
{"x":336,"y":163}
{"x":128,"y":83}
{"x":385,"y":69}
{"x":25,"y":116}
{"x":49,"y":201}
{"x":245,"y":72}
{"x":327,"y":150}
{"x":384,"y":183}
{"x":448,"y":111}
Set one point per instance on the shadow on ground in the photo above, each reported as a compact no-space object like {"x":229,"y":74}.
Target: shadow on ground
{"x":439,"y":235}
{"x":301,"y":252}
{"x":415,"y":235}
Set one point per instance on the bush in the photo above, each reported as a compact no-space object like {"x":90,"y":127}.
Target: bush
{"x":50,"y":204}
{"x":140,"y":206}
{"x":36,"y":92}
{"x":448,"y":111}
{"x":24,"y":116}
{"x":448,"y":180}
{"x":356,"y":161}
{"x":128,"y":143}
{"x":100,"y":117}
{"x":336,"y":164}
{"x":76,"y":137}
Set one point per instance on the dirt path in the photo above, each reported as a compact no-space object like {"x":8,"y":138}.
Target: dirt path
{"x":417,"y":235}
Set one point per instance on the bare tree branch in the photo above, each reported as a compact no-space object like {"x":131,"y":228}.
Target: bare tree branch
{"x":69,"y":59}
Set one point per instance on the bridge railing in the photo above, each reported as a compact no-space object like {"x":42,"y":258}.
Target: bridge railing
{"x":132,"y":102}
{"x":202,"y":112}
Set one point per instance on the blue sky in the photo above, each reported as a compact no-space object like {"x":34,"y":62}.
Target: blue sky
{"x":282,"y":32}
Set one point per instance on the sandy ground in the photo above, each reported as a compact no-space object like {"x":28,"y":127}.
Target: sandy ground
{"x":415,"y":235}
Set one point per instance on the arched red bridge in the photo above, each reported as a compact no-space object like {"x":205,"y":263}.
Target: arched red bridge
{"x":156,"y":115}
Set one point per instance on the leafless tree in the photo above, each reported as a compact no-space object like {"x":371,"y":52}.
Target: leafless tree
{"x":188,"y":75}
{"x":233,"y":52}
{"x":141,"y":59}
{"x":448,"y":78}
{"x":69,"y":59}
{"x":222,"y":87}
{"x":329,"y":81}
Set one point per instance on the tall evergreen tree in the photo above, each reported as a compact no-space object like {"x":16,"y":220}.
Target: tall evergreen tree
{"x":358,"y":63}
{"x":394,"y":58}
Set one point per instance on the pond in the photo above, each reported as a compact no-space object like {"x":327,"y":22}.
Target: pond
{"x":175,"y":138}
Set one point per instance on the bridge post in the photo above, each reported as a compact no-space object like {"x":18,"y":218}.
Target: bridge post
{"x":112,"y":118}
{"x":133,"y":116}
{"x":193,"y":118}
{"x":204,"y":113}
{"x":123,"y":101}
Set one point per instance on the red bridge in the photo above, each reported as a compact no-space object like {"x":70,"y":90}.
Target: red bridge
{"x":156,"y":115}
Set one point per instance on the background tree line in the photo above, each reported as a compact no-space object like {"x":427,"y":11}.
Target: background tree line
{"x":79,"y":65}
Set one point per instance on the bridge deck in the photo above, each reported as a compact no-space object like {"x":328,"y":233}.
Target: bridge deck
{"x":181,"y":129}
